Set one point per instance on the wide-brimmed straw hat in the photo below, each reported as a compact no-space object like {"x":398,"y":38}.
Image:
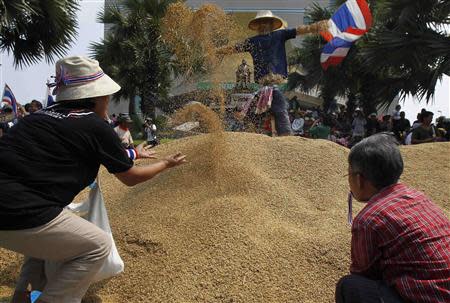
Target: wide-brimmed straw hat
{"x":265,"y":15}
{"x":79,"y":77}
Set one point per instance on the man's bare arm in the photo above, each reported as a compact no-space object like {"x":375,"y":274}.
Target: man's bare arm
{"x":227,"y":50}
{"x":314,"y":28}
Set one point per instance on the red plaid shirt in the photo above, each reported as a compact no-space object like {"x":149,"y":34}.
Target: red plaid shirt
{"x":403,"y":238}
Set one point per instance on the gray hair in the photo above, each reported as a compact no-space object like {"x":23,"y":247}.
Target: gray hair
{"x":378,"y":159}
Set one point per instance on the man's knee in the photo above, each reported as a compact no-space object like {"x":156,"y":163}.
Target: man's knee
{"x":104,"y":245}
{"x":99,"y":247}
{"x":343,"y":283}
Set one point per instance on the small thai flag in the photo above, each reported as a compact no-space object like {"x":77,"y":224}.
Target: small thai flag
{"x":8,"y":98}
{"x":349,"y":23}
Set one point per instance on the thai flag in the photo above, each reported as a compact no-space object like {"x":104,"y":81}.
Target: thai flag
{"x":8,"y":98}
{"x":349,"y":23}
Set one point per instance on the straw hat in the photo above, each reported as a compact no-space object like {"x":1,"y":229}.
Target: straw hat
{"x":264,"y":16}
{"x":80,"y":77}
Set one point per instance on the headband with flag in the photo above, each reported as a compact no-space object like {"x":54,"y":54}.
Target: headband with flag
{"x":8,"y":98}
{"x":349,"y":23}
{"x":62,"y":79}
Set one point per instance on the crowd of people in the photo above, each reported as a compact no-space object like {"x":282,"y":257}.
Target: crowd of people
{"x":348,"y":131}
{"x":345,"y":129}
{"x":22,"y":111}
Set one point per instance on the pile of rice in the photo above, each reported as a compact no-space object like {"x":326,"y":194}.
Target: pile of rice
{"x":249,"y":219}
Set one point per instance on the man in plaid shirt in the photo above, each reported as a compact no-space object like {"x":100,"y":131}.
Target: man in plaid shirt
{"x":400,"y":240}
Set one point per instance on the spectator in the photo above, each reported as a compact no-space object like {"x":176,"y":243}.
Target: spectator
{"x":113,"y":120}
{"x":298,"y":123}
{"x":343,"y":126}
{"x":418,"y":121}
{"x":27,"y":107}
{"x":373,"y":125}
{"x":440,"y":122}
{"x":320,"y":129}
{"x":402,"y":127}
{"x":123,"y":130}
{"x":358,"y":125}
{"x":150,"y":130}
{"x":35,"y":105}
{"x":309,"y":121}
{"x":6,"y":125}
{"x":400,"y":239}
{"x":426,"y":132}
{"x":386,"y":125}
{"x":446,"y":125}
{"x":396,"y":114}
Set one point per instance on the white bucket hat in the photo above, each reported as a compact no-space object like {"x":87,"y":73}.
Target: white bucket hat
{"x":80,"y":77}
{"x":266,"y":15}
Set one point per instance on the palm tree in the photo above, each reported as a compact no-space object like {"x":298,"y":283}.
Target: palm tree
{"x":33,"y":30}
{"x":331,"y":83}
{"x":359,"y":81}
{"x":132,"y":52}
{"x":410,"y":41}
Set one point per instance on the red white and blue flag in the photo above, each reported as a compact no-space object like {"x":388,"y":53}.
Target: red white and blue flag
{"x":349,"y":23}
{"x":8,"y":98}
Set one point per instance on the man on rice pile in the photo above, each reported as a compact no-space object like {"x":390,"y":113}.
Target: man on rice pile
{"x":400,"y":249}
{"x":268,"y":51}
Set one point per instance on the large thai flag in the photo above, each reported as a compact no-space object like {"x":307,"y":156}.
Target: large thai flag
{"x":8,"y":98}
{"x":349,"y":23}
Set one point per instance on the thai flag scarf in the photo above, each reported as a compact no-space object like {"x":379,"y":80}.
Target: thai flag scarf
{"x":349,"y":23}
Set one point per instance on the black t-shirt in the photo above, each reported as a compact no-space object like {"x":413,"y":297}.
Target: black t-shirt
{"x":422,"y":133}
{"x":48,"y":158}
{"x":268,"y":52}
{"x":403,"y":125}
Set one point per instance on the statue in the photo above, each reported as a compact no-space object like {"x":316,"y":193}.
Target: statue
{"x":243,"y":76}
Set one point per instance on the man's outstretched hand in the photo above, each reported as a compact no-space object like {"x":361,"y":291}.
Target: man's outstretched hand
{"x":144,"y":151}
{"x":175,"y":160}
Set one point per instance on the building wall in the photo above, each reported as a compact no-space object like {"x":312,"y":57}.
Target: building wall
{"x":291,"y":11}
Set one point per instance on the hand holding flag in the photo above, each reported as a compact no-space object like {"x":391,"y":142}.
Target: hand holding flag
{"x":349,"y":23}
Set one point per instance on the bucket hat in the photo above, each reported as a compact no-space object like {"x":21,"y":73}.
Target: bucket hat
{"x":265,"y":15}
{"x":79,"y":77}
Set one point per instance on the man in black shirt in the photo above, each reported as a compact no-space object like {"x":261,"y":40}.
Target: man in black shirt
{"x":426,"y":132}
{"x":51,"y":156}
{"x":402,"y":127}
{"x":373,"y":125}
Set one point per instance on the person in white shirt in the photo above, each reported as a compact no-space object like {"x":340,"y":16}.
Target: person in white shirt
{"x":358,"y":125}
{"x":150,"y":130}
{"x":297,"y":124}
